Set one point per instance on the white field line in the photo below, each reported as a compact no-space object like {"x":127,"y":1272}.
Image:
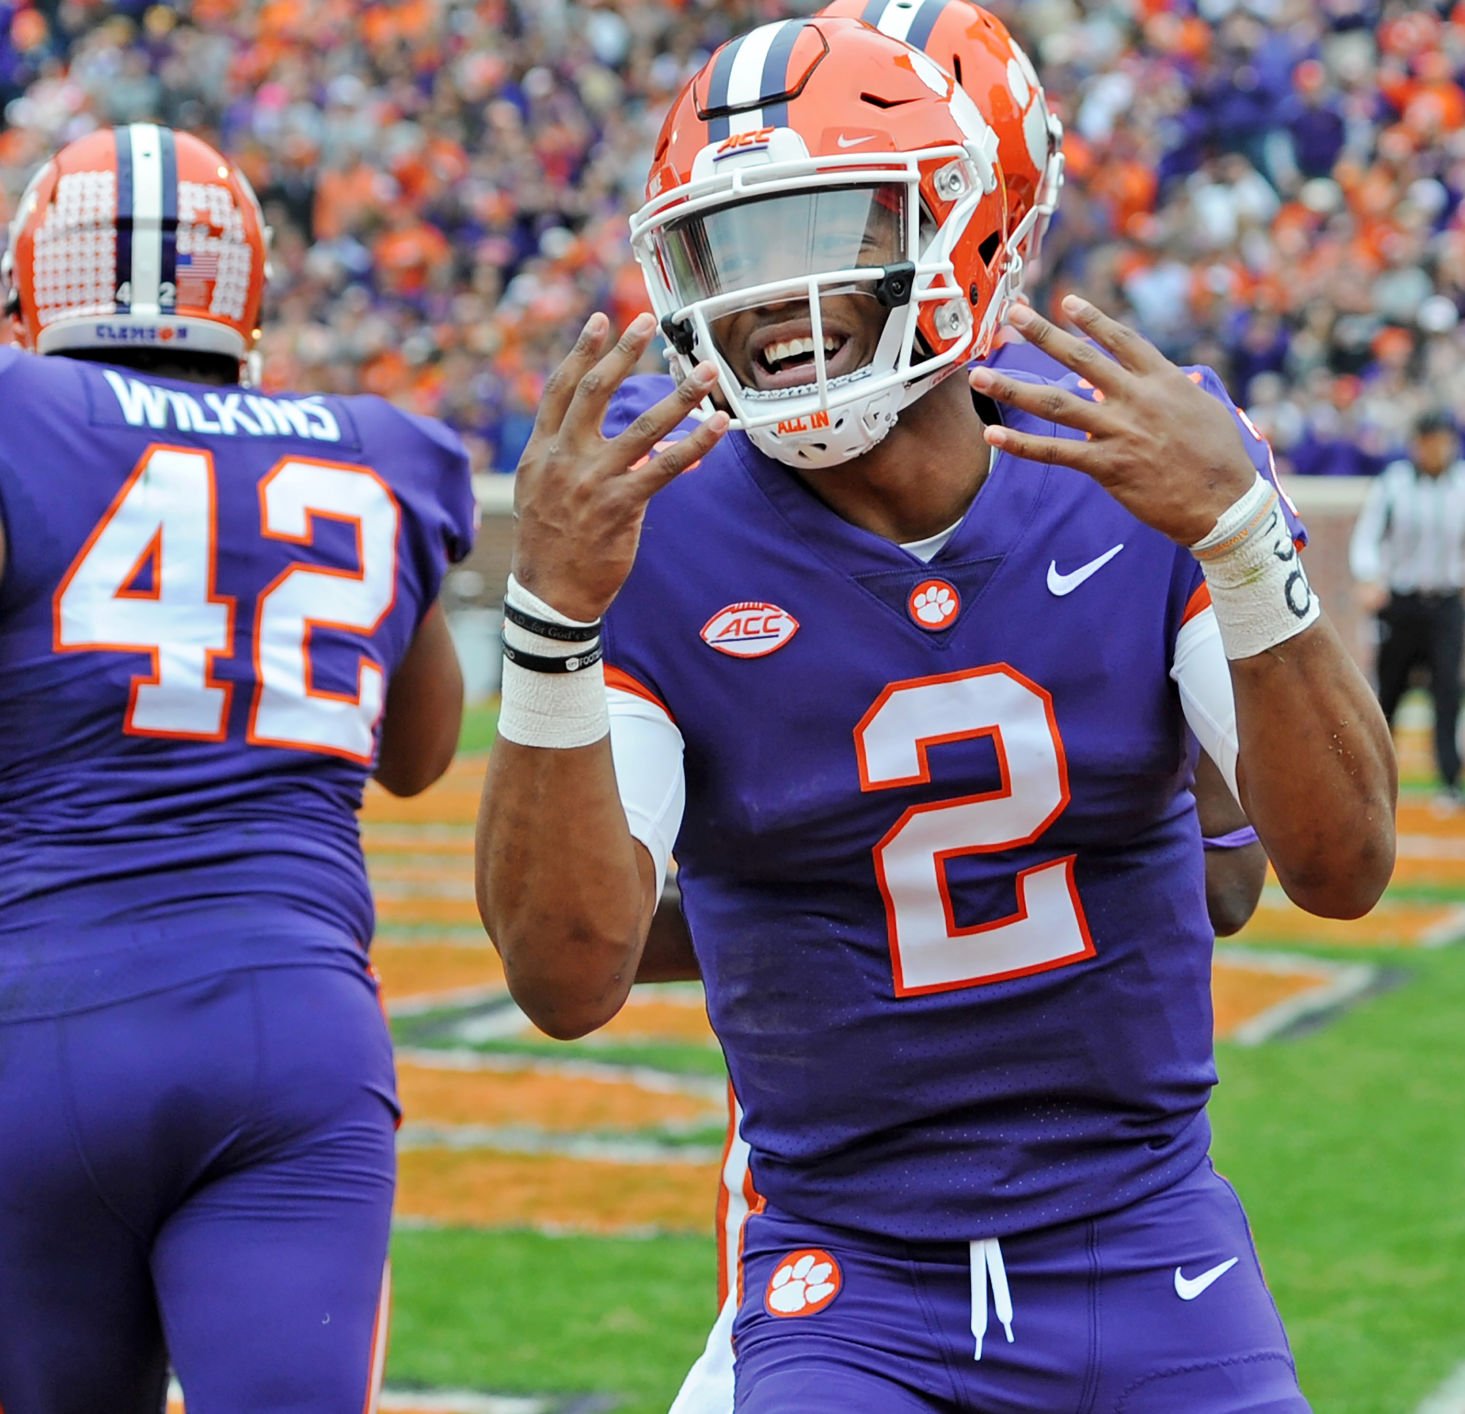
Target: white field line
{"x":1337,"y":984}
{"x":1450,"y":929}
{"x":533,"y":1142}
{"x":1449,"y":1398}
{"x":644,"y":1077}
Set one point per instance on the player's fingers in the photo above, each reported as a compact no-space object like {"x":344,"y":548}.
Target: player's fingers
{"x":641,"y":435}
{"x":1075,"y":353}
{"x":560,"y":387}
{"x":1054,"y":451}
{"x":1131,"y":348}
{"x":593,"y":392}
{"x":1043,"y":400}
{"x":679,"y":456}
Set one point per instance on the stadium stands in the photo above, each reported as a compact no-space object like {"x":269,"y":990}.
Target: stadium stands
{"x":1271,"y":186}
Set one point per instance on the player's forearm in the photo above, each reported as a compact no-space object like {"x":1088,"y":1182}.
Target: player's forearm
{"x":1316,"y":771}
{"x":562,"y":887}
{"x":1234,"y":879}
{"x":424,"y":711}
{"x":668,"y":955}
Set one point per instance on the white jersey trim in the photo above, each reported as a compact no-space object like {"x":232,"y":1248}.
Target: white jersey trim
{"x":1203,"y":676}
{"x":647,"y":748}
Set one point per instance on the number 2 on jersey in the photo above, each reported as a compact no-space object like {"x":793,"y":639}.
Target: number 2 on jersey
{"x":144,"y":583}
{"x":929,"y":951}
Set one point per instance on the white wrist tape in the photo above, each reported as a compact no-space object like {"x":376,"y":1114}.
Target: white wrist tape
{"x":552,"y":709}
{"x":1259,"y":589}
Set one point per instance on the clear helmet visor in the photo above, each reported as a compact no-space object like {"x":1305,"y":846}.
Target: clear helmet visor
{"x":793,"y":287}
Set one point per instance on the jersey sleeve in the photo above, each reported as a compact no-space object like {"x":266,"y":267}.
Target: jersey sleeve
{"x":425,"y":465}
{"x":454,"y":485}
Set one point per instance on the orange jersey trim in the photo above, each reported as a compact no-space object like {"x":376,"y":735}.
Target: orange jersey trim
{"x":1200,"y":601}
{"x":618,"y":678}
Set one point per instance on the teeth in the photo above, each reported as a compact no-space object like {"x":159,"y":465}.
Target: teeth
{"x":776,"y":354}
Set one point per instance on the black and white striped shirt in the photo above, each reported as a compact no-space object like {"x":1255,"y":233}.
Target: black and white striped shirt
{"x":1410,"y":534}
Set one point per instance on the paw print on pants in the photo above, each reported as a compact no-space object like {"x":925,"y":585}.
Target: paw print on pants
{"x":934,"y":603}
{"x":802,"y":1283}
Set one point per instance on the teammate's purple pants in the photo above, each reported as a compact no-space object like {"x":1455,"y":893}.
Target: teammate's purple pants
{"x":1158,"y":1308}
{"x":202,"y":1176}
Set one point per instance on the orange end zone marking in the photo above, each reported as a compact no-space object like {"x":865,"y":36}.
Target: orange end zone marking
{"x":453,"y":800}
{"x":486,"y":1188}
{"x":542,"y":1100}
{"x":652,"y":1018}
{"x":1241,"y":993}
{"x":412,"y":971}
{"x":1393,"y":923}
{"x":460,"y":911}
{"x":387,"y":838}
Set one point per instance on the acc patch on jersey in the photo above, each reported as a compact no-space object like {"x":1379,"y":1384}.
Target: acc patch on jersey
{"x":749,"y":630}
{"x":802,"y":1283}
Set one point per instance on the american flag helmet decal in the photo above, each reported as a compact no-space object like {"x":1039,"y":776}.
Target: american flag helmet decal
{"x":138,"y":235}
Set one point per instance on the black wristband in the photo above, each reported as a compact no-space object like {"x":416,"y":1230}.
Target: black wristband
{"x":539,"y":663}
{"x":562,"y":633}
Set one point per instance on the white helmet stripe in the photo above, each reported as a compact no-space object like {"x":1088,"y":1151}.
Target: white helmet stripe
{"x":147,"y":217}
{"x":912,"y":23}
{"x":745,"y":85}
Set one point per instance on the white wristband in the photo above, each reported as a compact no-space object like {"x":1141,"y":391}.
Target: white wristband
{"x":558,"y":710}
{"x":1259,"y":589}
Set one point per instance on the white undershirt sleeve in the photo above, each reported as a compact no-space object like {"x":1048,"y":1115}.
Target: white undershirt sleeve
{"x":1203,"y":676}
{"x":647,"y":748}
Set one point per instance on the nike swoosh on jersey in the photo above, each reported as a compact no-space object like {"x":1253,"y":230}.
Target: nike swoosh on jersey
{"x":1062,"y":584}
{"x":1188,"y":1288}
{"x":844,"y":141}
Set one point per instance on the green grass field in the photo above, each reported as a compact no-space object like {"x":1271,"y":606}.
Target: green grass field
{"x":1347,"y":1143}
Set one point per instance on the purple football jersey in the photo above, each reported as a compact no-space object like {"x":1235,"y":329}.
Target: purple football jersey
{"x":205,"y":593}
{"x":939,"y":858}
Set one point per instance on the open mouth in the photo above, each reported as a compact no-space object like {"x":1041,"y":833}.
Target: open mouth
{"x":788,"y":362}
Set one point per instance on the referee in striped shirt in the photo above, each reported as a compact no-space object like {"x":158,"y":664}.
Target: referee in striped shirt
{"x":1407,"y":555}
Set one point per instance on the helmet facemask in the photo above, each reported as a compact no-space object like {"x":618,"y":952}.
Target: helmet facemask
{"x":816,"y":246}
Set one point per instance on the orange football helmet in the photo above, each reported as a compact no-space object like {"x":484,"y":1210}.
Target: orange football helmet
{"x":991,"y":65}
{"x":814,"y":158}
{"x":137,"y":237}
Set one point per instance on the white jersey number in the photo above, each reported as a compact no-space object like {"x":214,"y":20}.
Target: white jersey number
{"x":929,"y":951}
{"x":144,"y":583}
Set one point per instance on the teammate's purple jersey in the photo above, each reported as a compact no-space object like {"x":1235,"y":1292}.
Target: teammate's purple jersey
{"x":939,"y":858}
{"x":205,"y":592}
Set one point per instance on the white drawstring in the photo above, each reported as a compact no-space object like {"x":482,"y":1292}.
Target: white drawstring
{"x":986,"y":1263}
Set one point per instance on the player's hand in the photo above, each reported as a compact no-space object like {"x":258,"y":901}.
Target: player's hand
{"x":579,"y":497}
{"x":1158,"y":443}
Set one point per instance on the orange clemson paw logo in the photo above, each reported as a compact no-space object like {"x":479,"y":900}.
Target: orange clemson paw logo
{"x":802,"y":1283}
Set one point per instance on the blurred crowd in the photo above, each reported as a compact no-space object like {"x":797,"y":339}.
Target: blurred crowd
{"x":1273,"y":187}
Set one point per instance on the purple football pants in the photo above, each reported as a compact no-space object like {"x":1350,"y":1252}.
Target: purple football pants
{"x":202,"y":1176}
{"x":1159,"y":1308}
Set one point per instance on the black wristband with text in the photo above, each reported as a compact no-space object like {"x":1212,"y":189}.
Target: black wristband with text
{"x":540,"y":663}
{"x":562,"y":633}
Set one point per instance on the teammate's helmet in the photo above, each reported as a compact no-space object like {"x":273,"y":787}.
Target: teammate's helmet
{"x":986,"y":61}
{"x":137,"y":237}
{"x":813,"y":158}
